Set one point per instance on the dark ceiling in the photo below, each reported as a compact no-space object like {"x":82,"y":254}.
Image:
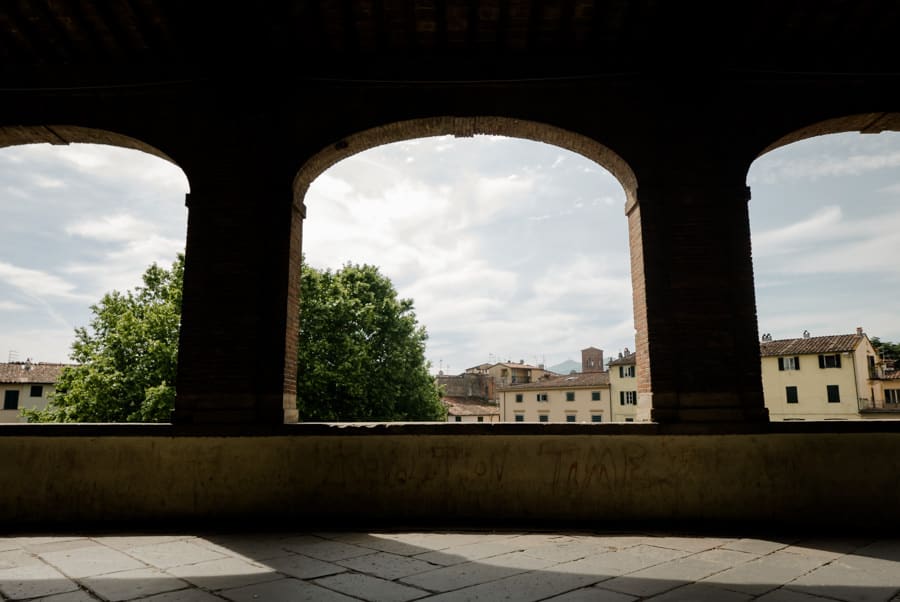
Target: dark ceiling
{"x":102,"y":42}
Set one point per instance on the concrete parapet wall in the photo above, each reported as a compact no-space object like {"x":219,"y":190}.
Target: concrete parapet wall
{"x":812,"y":478}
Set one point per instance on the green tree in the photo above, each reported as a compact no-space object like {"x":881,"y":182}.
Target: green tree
{"x":891,"y":350}
{"x":361,"y":355}
{"x":127,"y":359}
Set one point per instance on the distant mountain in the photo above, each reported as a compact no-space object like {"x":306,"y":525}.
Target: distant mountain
{"x":566,"y":367}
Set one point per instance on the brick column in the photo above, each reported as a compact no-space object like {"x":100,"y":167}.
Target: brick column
{"x":238,"y":348}
{"x":694,"y":302}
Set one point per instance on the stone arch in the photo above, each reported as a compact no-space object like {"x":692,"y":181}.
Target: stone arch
{"x":69,"y":134}
{"x":864,"y":123}
{"x":465,"y":127}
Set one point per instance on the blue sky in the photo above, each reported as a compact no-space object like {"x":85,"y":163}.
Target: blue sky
{"x":511,"y":249}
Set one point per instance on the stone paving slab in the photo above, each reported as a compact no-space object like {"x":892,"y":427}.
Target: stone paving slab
{"x":138,"y":583}
{"x":473,"y":573}
{"x":224,"y":573}
{"x":853,"y":580}
{"x":665,"y":576}
{"x":33,"y":580}
{"x":170,"y":554}
{"x":387,"y":566}
{"x":592,"y":594}
{"x":303,"y":567}
{"x":766,"y":573}
{"x":89,"y":561}
{"x":371,"y":588}
{"x":330,"y":551}
{"x":700,"y":592}
{"x":381,"y":566}
{"x":760,"y":547}
{"x":292,"y":590}
{"x":76,"y":596}
{"x":467,"y":552}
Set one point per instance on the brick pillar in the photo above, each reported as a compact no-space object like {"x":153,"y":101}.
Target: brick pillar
{"x":694,"y":302}
{"x":238,"y":348}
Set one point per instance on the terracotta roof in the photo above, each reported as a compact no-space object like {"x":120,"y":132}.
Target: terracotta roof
{"x":579,"y":379}
{"x":830,"y":344}
{"x":515,"y":365}
{"x":626,"y":360}
{"x":461,"y":406}
{"x":22,"y":372}
{"x":892,"y":375}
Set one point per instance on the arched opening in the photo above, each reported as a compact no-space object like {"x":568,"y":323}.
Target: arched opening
{"x":85,"y":212}
{"x":464,"y":215}
{"x":824,"y":220}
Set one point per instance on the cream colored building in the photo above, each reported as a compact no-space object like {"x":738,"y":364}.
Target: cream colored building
{"x":578,"y":397}
{"x":26,"y":385}
{"x":623,"y":387}
{"x":838,"y":377}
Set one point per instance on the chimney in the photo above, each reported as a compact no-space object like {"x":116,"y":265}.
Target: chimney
{"x":859,"y":330}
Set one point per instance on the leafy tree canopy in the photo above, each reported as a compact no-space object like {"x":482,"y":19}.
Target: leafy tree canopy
{"x":126,"y":359}
{"x":361,"y":355}
{"x":891,"y":350}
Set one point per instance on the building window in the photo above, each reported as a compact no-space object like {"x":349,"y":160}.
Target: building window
{"x":627,"y":398}
{"x":789,"y":363}
{"x":626,"y":371}
{"x":596,"y":418}
{"x":520,"y":417}
{"x":518,"y":398}
{"x":37,"y":390}
{"x":481,"y":419}
{"x":892,"y":395}
{"x":570,"y":417}
{"x":542,"y":397}
{"x":629,"y":420}
{"x":11,"y":400}
{"x":543,"y":418}
{"x":834,"y":394}
{"x":570,"y":395}
{"x":791,"y":394}
{"x":830,"y":361}
{"x":595,"y":395}
{"x":458,"y":418}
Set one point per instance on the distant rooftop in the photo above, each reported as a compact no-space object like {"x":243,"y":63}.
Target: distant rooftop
{"x":579,"y":379}
{"x":29,"y":372}
{"x":810,"y":345}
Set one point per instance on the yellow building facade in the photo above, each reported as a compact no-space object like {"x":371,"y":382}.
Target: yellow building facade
{"x":623,"y":387}
{"x":577,"y":397}
{"x":836,"y":377}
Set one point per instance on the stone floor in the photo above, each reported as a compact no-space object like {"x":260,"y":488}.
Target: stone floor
{"x":462,"y":565}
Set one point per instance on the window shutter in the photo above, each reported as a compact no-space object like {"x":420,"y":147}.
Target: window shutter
{"x":781,"y":364}
{"x":621,"y":396}
{"x":621,"y":371}
{"x":837,"y":360}
{"x":796,"y":362}
{"x":821,"y":361}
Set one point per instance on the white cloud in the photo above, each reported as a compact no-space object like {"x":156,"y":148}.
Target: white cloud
{"x":12,"y":306}
{"x":784,"y":166}
{"x":821,"y":225}
{"x":111,"y":228}
{"x":37,"y":283}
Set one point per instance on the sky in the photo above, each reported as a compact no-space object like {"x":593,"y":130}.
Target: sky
{"x":510,"y":249}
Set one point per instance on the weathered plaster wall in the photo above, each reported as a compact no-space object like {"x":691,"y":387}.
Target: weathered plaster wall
{"x":811,"y":478}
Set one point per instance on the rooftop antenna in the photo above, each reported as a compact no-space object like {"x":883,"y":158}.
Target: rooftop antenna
{"x":13,"y":356}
